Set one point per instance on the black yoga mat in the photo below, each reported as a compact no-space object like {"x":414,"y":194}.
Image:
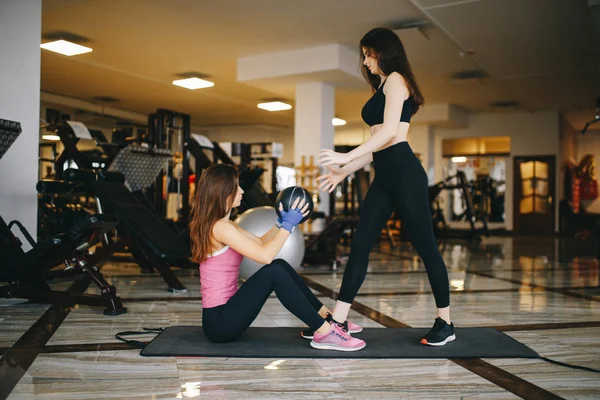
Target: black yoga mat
{"x":190,"y":341}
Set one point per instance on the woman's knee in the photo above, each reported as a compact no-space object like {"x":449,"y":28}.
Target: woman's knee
{"x":275,"y":268}
{"x":280,"y":262}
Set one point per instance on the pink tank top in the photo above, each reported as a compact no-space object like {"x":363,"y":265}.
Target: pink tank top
{"x":219,"y":276}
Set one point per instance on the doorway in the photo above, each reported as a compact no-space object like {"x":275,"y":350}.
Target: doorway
{"x":534,"y":189}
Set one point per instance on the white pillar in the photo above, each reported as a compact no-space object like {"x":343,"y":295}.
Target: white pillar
{"x":313,"y":128}
{"x":21,"y":31}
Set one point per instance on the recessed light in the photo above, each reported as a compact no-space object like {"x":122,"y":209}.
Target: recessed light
{"x":65,"y":47}
{"x":51,"y":137}
{"x":274,"y":106}
{"x":459,"y":160}
{"x":193,"y":83}
{"x":338,"y":122}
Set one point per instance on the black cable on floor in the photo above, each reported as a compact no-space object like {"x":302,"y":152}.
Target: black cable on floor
{"x":569,"y":365}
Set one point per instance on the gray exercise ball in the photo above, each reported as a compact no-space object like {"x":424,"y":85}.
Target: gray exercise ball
{"x":260,"y":220}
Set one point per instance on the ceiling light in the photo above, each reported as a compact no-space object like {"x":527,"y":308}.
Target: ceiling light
{"x":65,"y":47}
{"x":459,"y":159}
{"x":193,"y":83}
{"x":51,"y":137}
{"x":274,"y":106}
{"x":338,"y":122}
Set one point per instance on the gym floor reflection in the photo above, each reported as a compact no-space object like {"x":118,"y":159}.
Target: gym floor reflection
{"x":544,"y":292}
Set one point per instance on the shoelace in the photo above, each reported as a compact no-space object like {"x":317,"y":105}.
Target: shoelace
{"x":341,"y":333}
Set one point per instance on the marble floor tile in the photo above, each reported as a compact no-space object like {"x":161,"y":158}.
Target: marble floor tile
{"x":16,"y":319}
{"x":400,"y":282}
{"x":86,"y":324}
{"x":477,"y":309}
{"x":561,"y":345}
{"x":591,"y":292}
{"x":553,"y":278}
{"x":99,"y":375}
{"x":234,"y":378}
{"x":409,"y":379}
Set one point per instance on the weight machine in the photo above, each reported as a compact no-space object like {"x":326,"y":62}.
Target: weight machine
{"x":25,"y":272}
{"x":439,"y":220}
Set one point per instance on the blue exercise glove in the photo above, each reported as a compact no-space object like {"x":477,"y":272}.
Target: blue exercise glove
{"x":290,"y":219}
{"x":280,"y":218}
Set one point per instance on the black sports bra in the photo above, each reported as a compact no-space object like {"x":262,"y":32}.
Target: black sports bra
{"x":372,"y":112}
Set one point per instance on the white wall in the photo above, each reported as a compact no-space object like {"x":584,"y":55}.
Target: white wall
{"x":20,"y":33}
{"x":530,"y":134}
{"x":590,"y":144}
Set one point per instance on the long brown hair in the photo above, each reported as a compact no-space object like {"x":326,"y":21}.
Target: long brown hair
{"x":391,"y":56}
{"x":214,"y":197}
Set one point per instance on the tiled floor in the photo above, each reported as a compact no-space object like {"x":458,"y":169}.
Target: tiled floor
{"x":530,"y":288}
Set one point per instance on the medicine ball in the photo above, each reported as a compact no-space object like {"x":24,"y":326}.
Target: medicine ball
{"x":288,"y":196}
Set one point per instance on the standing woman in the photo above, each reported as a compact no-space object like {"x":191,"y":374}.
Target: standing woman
{"x":400,"y":182}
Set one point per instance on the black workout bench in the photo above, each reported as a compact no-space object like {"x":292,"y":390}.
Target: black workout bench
{"x":152,"y":242}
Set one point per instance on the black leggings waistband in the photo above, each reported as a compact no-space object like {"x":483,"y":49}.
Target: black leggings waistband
{"x":400,"y":151}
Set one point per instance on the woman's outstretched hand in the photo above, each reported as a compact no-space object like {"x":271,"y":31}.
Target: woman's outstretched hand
{"x":330,"y":157}
{"x":330,"y":180}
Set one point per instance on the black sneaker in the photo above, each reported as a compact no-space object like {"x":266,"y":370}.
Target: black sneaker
{"x":440,"y":334}
{"x":308,"y":333}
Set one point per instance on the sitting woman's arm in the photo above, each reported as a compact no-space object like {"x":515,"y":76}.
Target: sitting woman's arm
{"x":259,"y":239}
{"x":267,"y":237}
{"x":248,"y":245}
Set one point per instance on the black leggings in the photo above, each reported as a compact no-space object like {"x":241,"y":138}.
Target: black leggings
{"x":229,"y":321}
{"x":400,"y":185}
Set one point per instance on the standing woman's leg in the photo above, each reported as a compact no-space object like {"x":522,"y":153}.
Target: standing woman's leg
{"x":410,"y":186}
{"x":374,"y":215}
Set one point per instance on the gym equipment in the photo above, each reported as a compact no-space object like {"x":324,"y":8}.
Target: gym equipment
{"x":25,"y":272}
{"x":153,"y":244}
{"x":9,"y":132}
{"x":260,"y":220}
{"x":254,"y":194}
{"x":170,"y":130}
{"x":265,"y":156}
{"x":288,"y":196}
{"x":323,"y":247}
{"x":281,"y":343}
{"x":439,"y":221}
{"x":70,"y":133}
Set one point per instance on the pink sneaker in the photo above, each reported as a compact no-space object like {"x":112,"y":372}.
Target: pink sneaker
{"x":336,"y":339}
{"x":348,"y":326}
{"x":354,"y":328}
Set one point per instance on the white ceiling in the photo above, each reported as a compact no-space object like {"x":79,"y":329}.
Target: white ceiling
{"x":543,"y":54}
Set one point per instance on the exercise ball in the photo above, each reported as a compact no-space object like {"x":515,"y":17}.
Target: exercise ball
{"x":259,"y":221}
{"x":288,"y":196}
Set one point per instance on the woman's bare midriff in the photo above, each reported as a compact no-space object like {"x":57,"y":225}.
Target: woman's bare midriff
{"x":401,"y":134}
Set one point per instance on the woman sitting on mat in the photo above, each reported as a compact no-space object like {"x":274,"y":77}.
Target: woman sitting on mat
{"x":219,"y":245}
